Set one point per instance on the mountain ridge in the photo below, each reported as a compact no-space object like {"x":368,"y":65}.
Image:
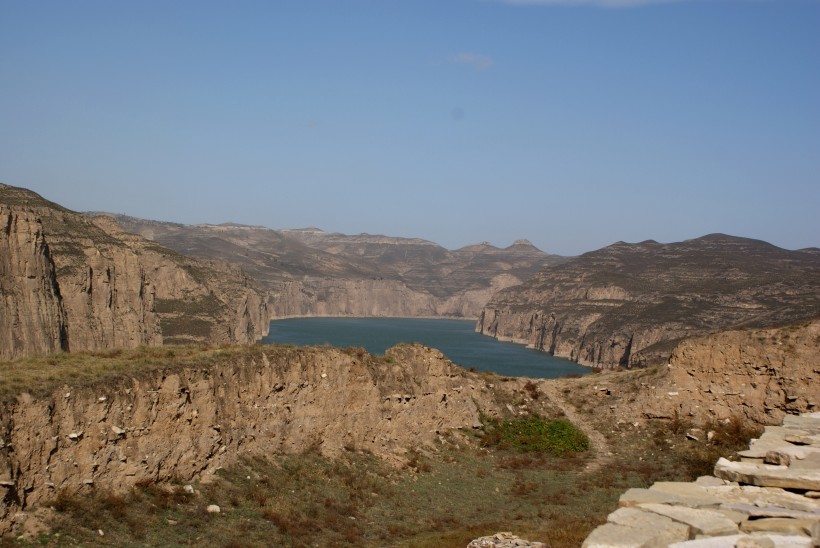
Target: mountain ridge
{"x":628,"y":304}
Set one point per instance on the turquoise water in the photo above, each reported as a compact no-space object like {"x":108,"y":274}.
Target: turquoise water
{"x":457,"y":339}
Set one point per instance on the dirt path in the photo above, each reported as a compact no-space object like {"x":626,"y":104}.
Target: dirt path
{"x":553,"y":389}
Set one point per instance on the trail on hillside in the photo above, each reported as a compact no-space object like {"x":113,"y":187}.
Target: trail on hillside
{"x":552,"y":388}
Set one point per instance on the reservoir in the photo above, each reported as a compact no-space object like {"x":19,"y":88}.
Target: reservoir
{"x":457,"y":339}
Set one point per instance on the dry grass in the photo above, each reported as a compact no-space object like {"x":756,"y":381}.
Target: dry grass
{"x":39,"y":375}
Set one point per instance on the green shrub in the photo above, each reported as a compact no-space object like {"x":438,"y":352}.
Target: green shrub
{"x":535,"y":434}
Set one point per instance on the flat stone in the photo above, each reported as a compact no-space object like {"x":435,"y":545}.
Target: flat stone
{"x":731,"y":541}
{"x":706,"y":522}
{"x":766,"y":475}
{"x":778,"y":525}
{"x":695,"y":495}
{"x":665,"y":529}
{"x":611,"y":535}
{"x":734,"y":515}
{"x":637,"y":496}
{"x":803,"y":422}
{"x":772,"y":496}
{"x":710,"y":481}
{"x":769,"y":511}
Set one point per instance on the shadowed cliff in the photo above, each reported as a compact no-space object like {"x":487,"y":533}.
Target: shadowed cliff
{"x":72,"y":282}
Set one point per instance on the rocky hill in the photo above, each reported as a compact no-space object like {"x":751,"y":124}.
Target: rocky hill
{"x":74,"y":282}
{"x":629,"y":304}
{"x":310,"y":272}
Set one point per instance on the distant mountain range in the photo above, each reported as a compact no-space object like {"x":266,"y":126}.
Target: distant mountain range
{"x":312,"y":272}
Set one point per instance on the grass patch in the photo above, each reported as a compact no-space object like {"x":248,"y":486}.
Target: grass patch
{"x":557,"y":437}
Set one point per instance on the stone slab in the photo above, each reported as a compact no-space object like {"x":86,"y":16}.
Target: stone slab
{"x":779,"y":541}
{"x":612,"y":535}
{"x":705,"y":522}
{"x":766,"y":475}
{"x":785,"y":526}
{"x":769,"y":511}
{"x":665,"y":529}
{"x":695,"y":495}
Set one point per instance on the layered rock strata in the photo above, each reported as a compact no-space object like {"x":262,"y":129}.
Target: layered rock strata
{"x":72,"y":282}
{"x":185,"y":424}
{"x":630,"y":304}
{"x":771,"y":498}
{"x":759,"y":375}
{"x":310,"y":272}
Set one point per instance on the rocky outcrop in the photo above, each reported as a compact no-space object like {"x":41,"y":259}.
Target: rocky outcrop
{"x":310,"y":272}
{"x":755,"y":374}
{"x":750,"y":503}
{"x":32,"y":318}
{"x":185,"y":422}
{"x":630,"y":304}
{"x":72,"y":282}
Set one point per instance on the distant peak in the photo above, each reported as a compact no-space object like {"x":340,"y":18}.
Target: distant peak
{"x":523,"y":242}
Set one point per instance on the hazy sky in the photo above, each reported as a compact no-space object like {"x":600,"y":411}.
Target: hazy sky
{"x":572,"y":123}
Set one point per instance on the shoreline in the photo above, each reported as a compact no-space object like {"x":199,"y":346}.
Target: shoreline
{"x":362,"y":317}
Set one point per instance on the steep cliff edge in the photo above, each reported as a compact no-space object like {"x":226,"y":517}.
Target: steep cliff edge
{"x":757,"y":374}
{"x":629,"y":304}
{"x":183,"y":421}
{"x":310,"y":272}
{"x":72,"y":282}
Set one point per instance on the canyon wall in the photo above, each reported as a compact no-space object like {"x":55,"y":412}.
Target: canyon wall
{"x":185,"y":422}
{"x":630,"y":304}
{"x":32,"y":318}
{"x":757,"y":374}
{"x":71,"y":282}
{"x":310,"y":272}
{"x":377,"y":298}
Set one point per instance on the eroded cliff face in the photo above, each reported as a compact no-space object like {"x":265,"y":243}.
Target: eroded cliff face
{"x":377,"y":298}
{"x":31,"y":313}
{"x":182,"y":424}
{"x":72,"y":282}
{"x":759,"y":374}
{"x":630,"y":304}
{"x":314,"y":273}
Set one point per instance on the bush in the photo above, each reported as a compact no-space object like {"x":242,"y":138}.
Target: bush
{"x":535,"y":434}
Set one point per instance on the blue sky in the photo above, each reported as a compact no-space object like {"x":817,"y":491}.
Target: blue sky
{"x":572,"y":123}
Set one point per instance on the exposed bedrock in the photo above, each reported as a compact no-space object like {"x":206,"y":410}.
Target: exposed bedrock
{"x":184,"y":424}
{"x":72,"y":282}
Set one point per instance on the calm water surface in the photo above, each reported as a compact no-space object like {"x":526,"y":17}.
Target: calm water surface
{"x":456,"y":338}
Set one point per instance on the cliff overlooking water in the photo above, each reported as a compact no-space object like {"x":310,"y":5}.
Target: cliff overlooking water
{"x":629,"y":304}
{"x":72,"y":282}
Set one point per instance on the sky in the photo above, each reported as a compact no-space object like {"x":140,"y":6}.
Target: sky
{"x":571,"y":123}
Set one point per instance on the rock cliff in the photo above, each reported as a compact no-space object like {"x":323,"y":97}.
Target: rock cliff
{"x":757,"y":374}
{"x":72,"y":282}
{"x":183,"y":422}
{"x":310,"y":272}
{"x":629,"y":304}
